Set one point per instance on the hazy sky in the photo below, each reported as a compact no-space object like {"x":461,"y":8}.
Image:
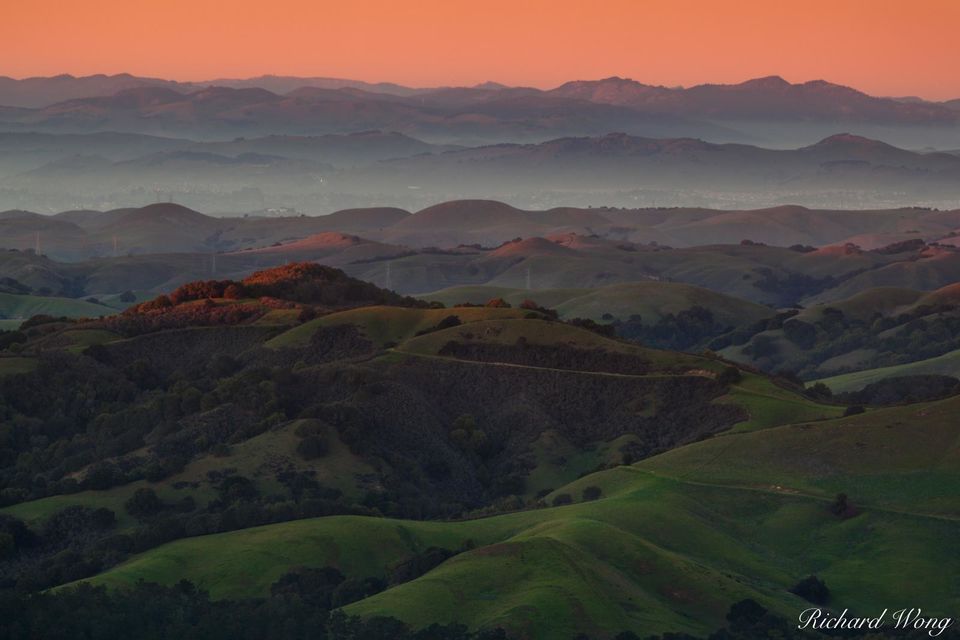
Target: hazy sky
{"x":887,"y":47}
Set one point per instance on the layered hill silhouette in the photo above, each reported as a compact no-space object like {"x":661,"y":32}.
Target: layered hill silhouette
{"x":842,"y":311}
{"x":321,"y":173}
{"x":225,"y":110}
{"x":490,"y":111}
{"x":174,"y":228}
{"x":769,"y":98}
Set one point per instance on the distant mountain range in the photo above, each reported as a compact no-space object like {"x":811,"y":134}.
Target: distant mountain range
{"x":489,"y":112}
{"x":44,"y":91}
{"x":317,"y":174}
{"x":445,"y":115}
{"x":770,"y":98}
{"x":760,"y":96}
{"x":839,"y":163}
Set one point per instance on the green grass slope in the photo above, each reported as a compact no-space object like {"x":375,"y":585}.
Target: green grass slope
{"x":947,"y":364}
{"x":12,"y":365}
{"x":547,"y":333}
{"x":886,"y":301}
{"x":20,"y":306}
{"x":769,"y":405}
{"x":383,"y":324}
{"x":903,"y":458}
{"x":649,"y":299}
{"x":674,"y":541}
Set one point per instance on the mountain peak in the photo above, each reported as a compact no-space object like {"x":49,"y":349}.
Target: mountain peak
{"x":847,"y":140}
{"x":768,"y":82}
{"x":167,"y":213}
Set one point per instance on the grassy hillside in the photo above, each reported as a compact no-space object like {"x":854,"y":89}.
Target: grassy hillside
{"x":769,"y":405}
{"x":13,"y":365}
{"x":23,"y":306}
{"x":885,"y":301}
{"x":674,"y":540}
{"x":388,"y":324}
{"x":766,"y":403}
{"x":649,"y":299}
{"x":556,"y":460}
{"x":902,"y":458}
{"x":479,"y":294}
{"x":544,"y":332}
{"x":948,"y":364}
{"x":854,"y":341}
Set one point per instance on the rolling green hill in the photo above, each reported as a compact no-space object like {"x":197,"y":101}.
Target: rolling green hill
{"x":507,"y":332}
{"x":769,"y":405}
{"x":649,"y":299}
{"x":674,"y":540}
{"x":557,"y":459}
{"x":948,"y":364}
{"x":901,"y":459}
{"x":14,"y":365}
{"x":388,"y":324}
{"x":878,"y":333}
{"x":24,"y":306}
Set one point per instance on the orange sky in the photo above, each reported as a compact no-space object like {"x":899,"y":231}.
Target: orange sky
{"x":887,"y":47}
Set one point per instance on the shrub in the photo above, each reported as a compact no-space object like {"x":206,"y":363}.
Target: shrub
{"x":356,"y":589}
{"x":819,"y":390}
{"x":234,"y":292}
{"x":7,"y":547}
{"x":312,"y":447}
{"x":103,"y":475}
{"x":447,"y":323}
{"x":729,"y":375}
{"x":223,"y":365}
{"x":842,"y":507}
{"x":745,"y":613}
{"x":812,"y":589}
{"x":562,"y":499}
{"x":143,"y":503}
{"x":416,"y":565}
{"x":800,"y":333}
{"x":313,"y":586}
{"x":236,"y":488}
{"x":592,"y":493}
{"x":543,"y":493}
